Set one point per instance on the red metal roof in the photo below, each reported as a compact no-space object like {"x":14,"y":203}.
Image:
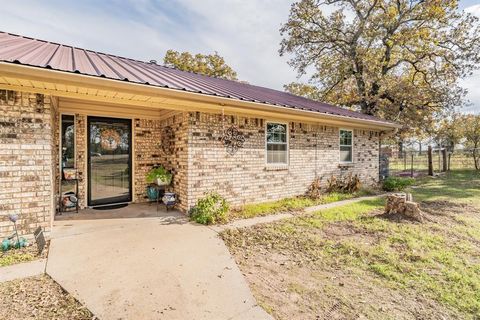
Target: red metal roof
{"x":44,"y":54}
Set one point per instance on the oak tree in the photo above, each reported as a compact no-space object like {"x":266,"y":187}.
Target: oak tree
{"x":210,"y":64}
{"x":397,"y":59}
{"x":449,"y":131}
{"x":471,"y":132}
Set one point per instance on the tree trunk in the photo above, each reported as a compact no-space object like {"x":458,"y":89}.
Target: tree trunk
{"x":475,"y":155}
{"x":475,"y":158}
{"x":444,"y":158}
{"x":400,"y":149}
{"x":430,"y":161}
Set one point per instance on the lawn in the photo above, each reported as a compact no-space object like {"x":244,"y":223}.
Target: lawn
{"x":352,"y":262}
{"x":291,"y":204}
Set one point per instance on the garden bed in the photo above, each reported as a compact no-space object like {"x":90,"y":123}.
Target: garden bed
{"x":26,"y":254}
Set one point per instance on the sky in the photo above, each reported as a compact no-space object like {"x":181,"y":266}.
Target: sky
{"x":245,"y":32}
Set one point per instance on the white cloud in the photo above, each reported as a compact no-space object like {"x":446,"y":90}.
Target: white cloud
{"x":246,"y":33}
{"x":475,"y":10}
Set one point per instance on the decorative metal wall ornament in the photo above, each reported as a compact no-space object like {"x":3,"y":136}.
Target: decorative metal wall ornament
{"x":168,"y":140}
{"x":233,"y":140}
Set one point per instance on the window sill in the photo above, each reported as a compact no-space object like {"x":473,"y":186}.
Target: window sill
{"x":346,"y":164}
{"x":276,"y":167}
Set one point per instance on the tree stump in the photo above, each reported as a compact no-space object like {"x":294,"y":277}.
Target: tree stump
{"x":402,"y":204}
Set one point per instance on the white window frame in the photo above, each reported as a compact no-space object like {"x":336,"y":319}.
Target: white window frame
{"x":277,"y":164}
{"x":344,"y":145}
{"x":60,"y":137}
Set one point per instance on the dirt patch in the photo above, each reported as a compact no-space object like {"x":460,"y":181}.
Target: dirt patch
{"x":447,"y":209}
{"x":290,"y":288}
{"x":304,"y":268}
{"x":440,"y":212}
{"x":39,"y":298}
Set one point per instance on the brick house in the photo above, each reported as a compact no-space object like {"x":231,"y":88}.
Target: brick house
{"x":251,"y":144}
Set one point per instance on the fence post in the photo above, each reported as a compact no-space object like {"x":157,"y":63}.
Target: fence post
{"x":439,"y":160}
{"x":411,"y":167}
{"x":404,"y":160}
{"x":444,"y":156}
{"x":430,"y":161}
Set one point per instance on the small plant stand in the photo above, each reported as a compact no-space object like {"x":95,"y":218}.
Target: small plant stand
{"x":160,"y":193}
{"x":161,"y":190}
{"x":68,"y":182}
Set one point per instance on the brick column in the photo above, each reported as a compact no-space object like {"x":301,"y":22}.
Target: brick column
{"x":26,"y":170}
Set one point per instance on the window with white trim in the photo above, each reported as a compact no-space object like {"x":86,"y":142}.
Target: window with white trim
{"x":68,"y":141}
{"x":277,"y":144}
{"x":346,"y":145}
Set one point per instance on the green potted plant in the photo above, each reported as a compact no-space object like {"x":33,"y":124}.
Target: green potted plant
{"x":160,"y":176}
{"x":157,"y":176}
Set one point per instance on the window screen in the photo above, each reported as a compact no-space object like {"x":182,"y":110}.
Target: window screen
{"x":346,"y":153}
{"x":277,"y":146}
{"x":68,"y":141}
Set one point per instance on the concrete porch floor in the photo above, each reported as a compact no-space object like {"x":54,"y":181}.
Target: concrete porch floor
{"x":134,"y":210}
{"x":157,"y":267}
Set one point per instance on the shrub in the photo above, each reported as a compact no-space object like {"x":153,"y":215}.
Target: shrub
{"x":349,"y":184}
{"x":315,"y":189}
{"x":397,"y":183}
{"x":212,"y":208}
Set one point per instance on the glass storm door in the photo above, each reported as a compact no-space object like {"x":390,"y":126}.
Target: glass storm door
{"x":109,"y":161}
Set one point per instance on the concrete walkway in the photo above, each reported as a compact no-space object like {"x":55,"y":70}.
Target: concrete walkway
{"x":150,"y":268}
{"x":22,"y":270}
{"x":280,"y":216}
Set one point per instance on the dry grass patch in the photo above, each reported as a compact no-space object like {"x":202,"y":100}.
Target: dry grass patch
{"x":39,"y":298}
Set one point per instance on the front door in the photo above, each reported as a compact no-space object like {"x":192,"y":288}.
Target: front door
{"x":109,"y":161}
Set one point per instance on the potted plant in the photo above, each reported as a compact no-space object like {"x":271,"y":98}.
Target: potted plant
{"x":160,"y":176}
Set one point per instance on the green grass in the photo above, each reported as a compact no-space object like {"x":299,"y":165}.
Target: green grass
{"x":439,"y":260}
{"x":290,"y":204}
{"x":415,"y":257}
{"x":349,"y":212}
{"x":15,"y":256}
{"x":458,"y":186}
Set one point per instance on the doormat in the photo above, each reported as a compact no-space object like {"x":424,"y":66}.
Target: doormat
{"x":111,"y":207}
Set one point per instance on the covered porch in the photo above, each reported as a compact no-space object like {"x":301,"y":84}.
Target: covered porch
{"x":110,"y":149}
{"x":130,"y":211}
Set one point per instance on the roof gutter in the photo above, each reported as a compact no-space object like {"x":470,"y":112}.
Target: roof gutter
{"x":32,"y":73}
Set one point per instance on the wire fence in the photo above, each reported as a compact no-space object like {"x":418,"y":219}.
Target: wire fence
{"x":415,"y":163}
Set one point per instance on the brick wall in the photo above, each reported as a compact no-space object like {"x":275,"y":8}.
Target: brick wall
{"x":81,"y":157}
{"x":146,"y":143}
{"x":26,"y":177}
{"x":245,"y":177}
{"x":174,"y":138}
{"x":161,"y":142}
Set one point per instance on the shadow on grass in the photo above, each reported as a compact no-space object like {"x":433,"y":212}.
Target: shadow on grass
{"x":454,"y":185}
